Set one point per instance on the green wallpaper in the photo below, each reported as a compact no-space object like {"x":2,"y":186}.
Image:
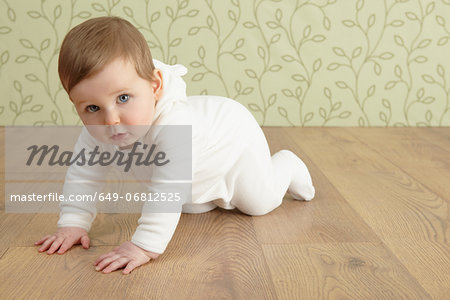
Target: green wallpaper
{"x":291,"y":62}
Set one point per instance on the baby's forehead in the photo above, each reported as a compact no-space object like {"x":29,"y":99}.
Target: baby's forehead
{"x":116,"y":64}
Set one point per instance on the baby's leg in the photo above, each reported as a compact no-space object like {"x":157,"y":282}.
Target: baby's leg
{"x":262,"y":180}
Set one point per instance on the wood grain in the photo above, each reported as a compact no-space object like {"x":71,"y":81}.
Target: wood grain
{"x":438,"y":136}
{"x":418,"y":154}
{"x":223,"y":260}
{"x":339,"y":271}
{"x":378,"y":190}
{"x":398,"y":208}
{"x":429,"y":262}
{"x":25,"y":273}
{"x":11,"y":227}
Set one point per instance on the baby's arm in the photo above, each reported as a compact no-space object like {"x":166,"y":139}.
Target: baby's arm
{"x":76,"y":217}
{"x":159,"y":220}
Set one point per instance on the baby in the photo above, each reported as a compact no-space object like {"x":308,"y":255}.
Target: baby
{"x":107,"y":70}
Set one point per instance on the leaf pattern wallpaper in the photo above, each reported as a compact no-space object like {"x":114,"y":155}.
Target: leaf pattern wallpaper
{"x":290,"y":62}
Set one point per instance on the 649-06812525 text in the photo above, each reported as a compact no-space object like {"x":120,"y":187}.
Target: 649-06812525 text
{"x":102,"y":197}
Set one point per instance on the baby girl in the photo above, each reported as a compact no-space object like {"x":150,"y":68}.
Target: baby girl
{"x":107,"y":70}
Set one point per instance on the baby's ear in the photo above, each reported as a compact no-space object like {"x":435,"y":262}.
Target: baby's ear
{"x":157,"y":83}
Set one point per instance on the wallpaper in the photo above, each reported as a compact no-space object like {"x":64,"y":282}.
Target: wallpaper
{"x":290,"y":62}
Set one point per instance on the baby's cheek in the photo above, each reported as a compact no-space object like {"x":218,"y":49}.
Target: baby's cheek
{"x":99,"y":132}
{"x":134,"y":115}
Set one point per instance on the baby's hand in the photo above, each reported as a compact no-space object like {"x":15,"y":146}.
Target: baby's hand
{"x":127,"y":254}
{"x":64,"y":239}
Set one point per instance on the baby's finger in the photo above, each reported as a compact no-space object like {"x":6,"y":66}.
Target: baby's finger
{"x":55,"y":245}
{"x":103,"y":257}
{"x":104,"y":263}
{"x":42,"y":240}
{"x":65,"y":246}
{"x":85,"y":241}
{"x":130,"y":267}
{"x":117,"y":264}
{"x":47,"y":243}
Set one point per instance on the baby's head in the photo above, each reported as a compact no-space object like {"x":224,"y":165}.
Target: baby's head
{"x":106,"y":68}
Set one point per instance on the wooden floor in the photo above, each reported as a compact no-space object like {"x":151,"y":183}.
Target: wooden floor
{"x":378,"y":228}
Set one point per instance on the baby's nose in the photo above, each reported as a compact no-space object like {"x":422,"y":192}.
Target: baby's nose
{"x":112,"y":118}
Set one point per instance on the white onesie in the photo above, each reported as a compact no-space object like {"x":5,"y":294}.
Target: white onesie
{"x":231,"y":164}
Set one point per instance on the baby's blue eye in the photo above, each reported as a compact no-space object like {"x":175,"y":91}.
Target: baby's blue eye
{"x":124,"y":98}
{"x":92,"y":108}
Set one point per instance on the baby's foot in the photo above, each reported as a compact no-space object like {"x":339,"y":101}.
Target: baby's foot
{"x":301,"y":187}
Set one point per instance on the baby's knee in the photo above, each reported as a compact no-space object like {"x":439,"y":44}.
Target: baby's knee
{"x":259,"y":212}
{"x":259,"y":208}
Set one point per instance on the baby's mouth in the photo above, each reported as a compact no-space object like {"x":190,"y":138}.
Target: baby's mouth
{"x":119,"y":136}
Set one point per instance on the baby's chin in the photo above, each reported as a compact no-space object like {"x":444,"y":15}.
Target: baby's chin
{"x":125,"y":147}
{"x":126,"y":142}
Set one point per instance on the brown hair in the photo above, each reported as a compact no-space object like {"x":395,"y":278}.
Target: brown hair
{"x":91,"y":45}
